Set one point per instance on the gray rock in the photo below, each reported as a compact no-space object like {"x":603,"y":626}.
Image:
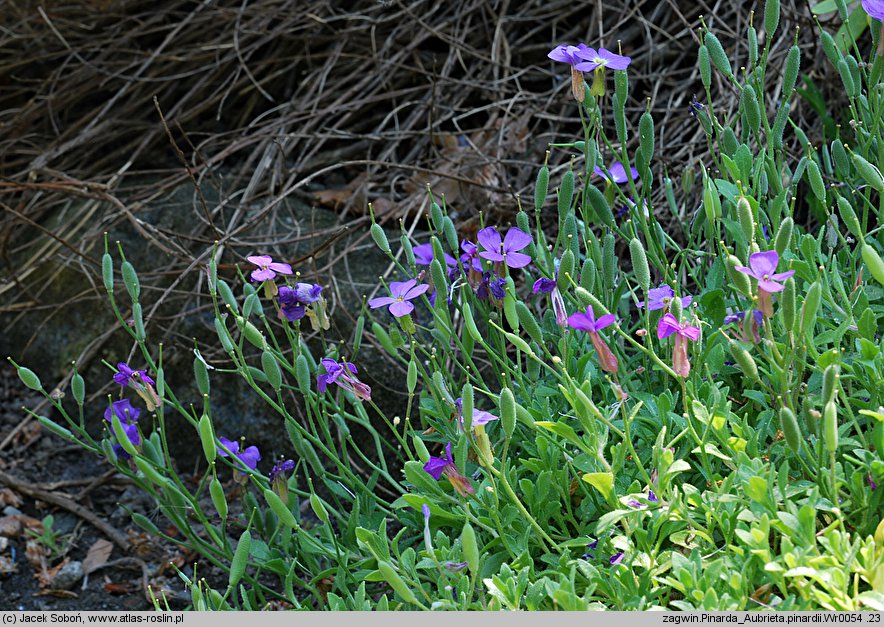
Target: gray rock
{"x":68,"y":576}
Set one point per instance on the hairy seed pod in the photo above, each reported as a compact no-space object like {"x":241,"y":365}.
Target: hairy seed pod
{"x":396,"y":582}
{"x":521,"y":221}
{"x":449,"y":232}
{"x":219,"y":500}
{"x":784,"y":235}
{"x":830,"y":383}
{"x":470,"y":547}
{"x":302,"y":374}
{"x":788,"y":305}
{"x":737,"y":279}
{"x":107,"y":272}
{"x":646,"y":136}
{"x":749,"y":105}
{"x":440,"y":284}
{"x":747,"y":220}
{"x":609,"y":261}
{"x":789,"y":425}
{"x":870,"y":173}
{"x":829,"y":47}
{"x":815,"y":178}
{"x":507,"y":411}
{"x":130,"y":280}
{"x":640,"y":263}
{"x":744,"y":359}
{"x":470,"y":323}
{"x":380,"y":238}
{"x":588,"y":299}
{"x":566,"y":269}
{"x":599,"y":205}
{"x":752,"y":38}
{"x":566,"y":195}
{"x":509,"y":311}
{"x":439,"y":383}
{"x":779,"y":126}
{"x":790,"y":71}
{"x":830,"y":426}
{"x":436,"y":216}
{"x":541,"y":188}
{"x":422,"y":453}
{"x":873,"y":262}
{"x":529,"y":322}
{"x":809,"y":308}
{"x":587,"y":274}
{"x":251,"y":333}
{"x":240,"y":559}
{"x":620,"y":117}
{"x":848,"y":215}
{"x":29,"y":378}
{"x":271,"y":370}
{"x":842,"y":160}
{"x":78,"y":388}
{"x":207,"y":438}
{"x":717,"y":54}
{"x":846,"y":77}
{"x":227,"y":295}
{"x":224,"y":336}
{"x":705,"y":66}
{"x":280,"y":509}
{"x":771,"y":17}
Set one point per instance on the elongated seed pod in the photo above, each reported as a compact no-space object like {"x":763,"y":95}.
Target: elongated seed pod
{"x":784,"y":235}
{"x":791,"y":430}
{"x":29,"y":378}
{"x":422,"y":453}
{"x":747,"y":220}
{"x":207,"y":438}
{"x":227,"y":295}
{"x":737,"y":278}
{"x":779,"y":126}
{"x":145,"y":523}
{"x":219,"y":499}
{"x":873,"y":262}
{"x":830,"y":426}
{"x":809,"y":308}
{"x":588,"y":274}
{"x":57,"y":429}
{"x":609,"y":261}
{"x":541,"y":188}
{"x":396,"y":582}
{"x":107,"y":272}
{"x":302,"y":374}
{"x":130,"y":280}
{"x":439,"y":383}
{"x":380,"y":237}
{"x":830,"y":383}
{"x":705,"y":66}
{"x":518,"y":342}
{"x":745,"y":360}
{"x":436,"y":215}
{"x":846,"y":77}
{"x":815,"y":178}
{"x":788,"y":305}
{"x":640,"y":263}
{"x":566,"y":195}
{"x":507,"y":411}
{"x":588,"y":299}
{"x":771,"y":17}
{"x":842,"y":160}
{"x":599,"y":205}
{"x":271,"y":370}
{"x":383,"y":338}
{"x":201,"y":375}
{"x":752,"y":38}
{"x":251,"y":333}
{"x":78,"y":388}
{"x":646,"y":136}
{"x":470,"y":547}
{"x":717,"y":54}
{"x":848,"y":215}
{"x":529,"y":322}
{"x":566,"y":269}
{"x":318,"y":508}
{"x":280,"y":509}
{"x":790,"y":71}
{"x":470,"y":323}
{"x":870,"y":173}
{"x":522,"y":222}
{"x":440,"y":284}
{"x":509,"y":311}
{"x":449,"y":232}
{"x":240,"y":559}
{"x":749,"y":105}
{"x":620,"y":118}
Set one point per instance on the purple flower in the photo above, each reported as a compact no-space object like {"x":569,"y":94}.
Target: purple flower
{"x":616,"y":558}
{"x":491,"y":284}
{"x":652,"y":497}
{"x":587,"y":322}
{"x":616,"y":173}
{"x":761,"y":267}
{"x":267,"y":268}
{"x":281,"y":469}
{"x":470,"y":256}
{"x":127,"y":414}
{"x":249,"y":457}
{"x":437,"y":466}
{"x":293,"y":301}
{"x":875,"y":8}
{"x":660,"y":297}
{"x":872,"y":485}
{"x":750,"y":326}
{"x":337,"y":373}
{"x":603,"y":58}
{"x":454,"y":567}
{"x":480,"y":418}
{"x":127,"y":375}
{"x":550,"y":286}
{"x":401,"y":292}
{"x":506,"y":251}
{"x":569,"y":54}
{"x":423,"y":255}
{"x":544,"y":285}
{"x":667,"y":326}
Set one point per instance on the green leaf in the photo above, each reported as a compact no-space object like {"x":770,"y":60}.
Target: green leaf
{"x":826,"y":6}
{"x":601,"y":481}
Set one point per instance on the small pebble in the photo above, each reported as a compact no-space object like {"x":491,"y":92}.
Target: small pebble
{"x":68,"y":576}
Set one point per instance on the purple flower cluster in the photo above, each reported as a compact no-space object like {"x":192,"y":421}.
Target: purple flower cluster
{"x":293,"y":301}
{"x":128,"y":416}
{"x":247,"y":459}
{"x":438,"y":466}
{"x":342,"y":375}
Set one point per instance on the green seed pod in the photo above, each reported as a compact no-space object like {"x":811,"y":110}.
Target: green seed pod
{"x":599,"y":205}
{"x":870,"y":173}
{"x":227,"y":295}
{"x":784,"y":235}
{"x":815,"y":178}
{"x":518,"y":342}
{"x":411,"y":377}
{"x":440,"y":284}
{"x":789,"y":425}
{"x":138,"y":321}
{"x":809,"y":308}
{"x":529,"y":322}
{"x":302,"y":374}
{"x":541,"y":188}
{"x":146,"y":468}
{"x":830,"y":427}
{"x":251,"y":333}
{"x":811,"y":416}
{"x":566,"y":269}
{"x":130,"y":280}
{"x":842,"y":160}
{"x":380,"y":237}
{"x":470,"y":547}
{"x":587,"y":274}
{"x":621,"y":84}
{"x":846,"y":77}
{"x":588,"y":299}
{"x":744,"y":360}
{"x":436,"y":216}
{"x":646,"y":136}
{"x":736,"y":278}
{"x":711,"y":202}
{"x":396,"y":582}
{"x":78,"y":388}
{"x":853,"y":68}
{"x":271,"y":370}
{"x":470,"y":323}
{"x":790,"y":72}
{"x":224,"y":336}
{"x":219,"y":500}
{"x":507,"y":411}
{"x":250,"y":305}
{"x":318,"y":508}
{"x":509,"y":311}
{"x":240,"y":559}
{"x":207,"y":438}
{"x":439,"y":383}
{"x":467,"y":406}
{"x":848,"y":215}
{"x":405,"y":243}
{"x":521,"y":221}
{"x":829,"y":47}
{"x":145,"y":523}
{"x":788,"y":305}
{"x":873,"y":262}
{"x":640,"y":263}
{"x":830,"y":383}
{"x":842,"y":9}
{"x":161,"y":384}
{"x":449,"y":232}
{"x":57,"y":429}
{"x":29,"y":378}
{"x":422,"y":453}
{"x":705,"y":67}
{"x":565,"y":196}
{"x":717,"y":54}
{"x":779,"y":126}
{"x":771,"y":17}
{"x":620,"y":118}
{"x":280,"y":509}
{"x":107,"y":272}
{"x":609,"y":261}
{"x":383,"y":338}
{"x":358,"y":333}
{"x":749,"y":105}
{"x":201,"y":375}
{"x":752,"y":38}
{"x":747,"y":220}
